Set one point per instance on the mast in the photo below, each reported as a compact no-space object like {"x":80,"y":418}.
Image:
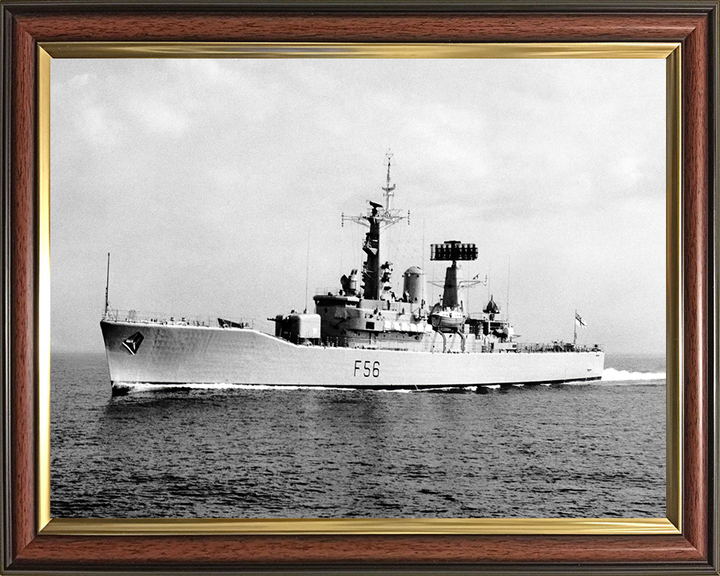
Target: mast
{"x":575,"y":323}
{"x":377,"y":219}
{"x":107,"y":286}
{"x":387,"y":188}
{"x":371,"y":267}
{"x":307,"y":273}
{"x":507,"y":305}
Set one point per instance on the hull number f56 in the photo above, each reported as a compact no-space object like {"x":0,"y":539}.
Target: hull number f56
{"x":367,"y":368}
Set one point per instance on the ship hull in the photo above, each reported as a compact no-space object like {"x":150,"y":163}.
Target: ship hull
{"x":180,"y":355}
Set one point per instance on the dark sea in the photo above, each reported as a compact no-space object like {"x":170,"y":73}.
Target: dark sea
{"x":570,"y":450}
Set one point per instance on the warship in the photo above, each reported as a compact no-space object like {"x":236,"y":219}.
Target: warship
{"x":361,"y":335}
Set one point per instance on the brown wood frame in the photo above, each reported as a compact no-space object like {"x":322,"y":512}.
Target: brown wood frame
{"x":694,"y":24}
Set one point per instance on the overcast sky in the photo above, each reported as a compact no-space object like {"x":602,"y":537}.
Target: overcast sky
{"x":206,"y":178}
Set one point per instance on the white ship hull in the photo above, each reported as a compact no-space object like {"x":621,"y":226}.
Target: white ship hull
{"x":181,"y":355}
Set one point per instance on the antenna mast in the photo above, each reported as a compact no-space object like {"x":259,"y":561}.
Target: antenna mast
{"x":507,"y":311}
{"x":107,"y":286}
{"x":387,"y":188}
{"x":377,"y":219}
{"x":307,"y":272}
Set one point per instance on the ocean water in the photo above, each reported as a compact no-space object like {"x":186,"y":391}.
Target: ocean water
{"x":571,"y":450}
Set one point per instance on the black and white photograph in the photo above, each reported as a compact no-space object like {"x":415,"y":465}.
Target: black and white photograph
{"x":358,"y":288}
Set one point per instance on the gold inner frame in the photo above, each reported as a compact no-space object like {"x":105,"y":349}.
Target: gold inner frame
{"x":671,"y":52}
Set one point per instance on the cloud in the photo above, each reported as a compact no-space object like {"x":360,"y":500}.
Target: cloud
{"x":96,"y":124}
{"x":204,"y":178}
{"x":156,"y":116}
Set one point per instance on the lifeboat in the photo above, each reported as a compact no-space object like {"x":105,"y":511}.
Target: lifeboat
{"x":447,"y":320}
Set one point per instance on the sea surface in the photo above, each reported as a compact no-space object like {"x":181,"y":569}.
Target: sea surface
{"x":569,"y":450}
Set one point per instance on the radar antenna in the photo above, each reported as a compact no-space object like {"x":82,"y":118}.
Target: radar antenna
{"x":386,"y":216}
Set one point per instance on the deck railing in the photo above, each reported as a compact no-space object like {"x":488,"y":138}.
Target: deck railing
{"x":175,"y":320}
{"x":556,"y":347}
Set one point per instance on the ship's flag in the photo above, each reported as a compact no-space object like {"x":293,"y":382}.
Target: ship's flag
{"x":229,"y":323}
{"x":579,"y":321}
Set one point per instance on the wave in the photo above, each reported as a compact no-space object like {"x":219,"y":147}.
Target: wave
{"x":122,"y":388}
{"x":614,"y":375}
{"x":608,"y":375}
{"x":148,"y":387}
{"x":136,"y":387}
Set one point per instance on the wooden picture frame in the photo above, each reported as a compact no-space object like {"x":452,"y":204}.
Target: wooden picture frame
{"x":687,"y":542}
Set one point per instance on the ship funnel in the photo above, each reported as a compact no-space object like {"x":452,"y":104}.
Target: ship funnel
{"x":453,"y":279}
{"x":414,"y":284}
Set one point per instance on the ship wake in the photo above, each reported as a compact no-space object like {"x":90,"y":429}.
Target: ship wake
{"x":121,"y":388}
{"x":614,"y":375}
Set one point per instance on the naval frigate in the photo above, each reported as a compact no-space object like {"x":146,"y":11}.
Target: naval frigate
{"x":361,"y":335}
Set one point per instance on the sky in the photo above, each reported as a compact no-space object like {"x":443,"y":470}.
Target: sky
{"x":218,"y":187}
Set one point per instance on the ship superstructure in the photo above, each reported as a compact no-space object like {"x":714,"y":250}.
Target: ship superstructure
{"x":363,"y":334}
